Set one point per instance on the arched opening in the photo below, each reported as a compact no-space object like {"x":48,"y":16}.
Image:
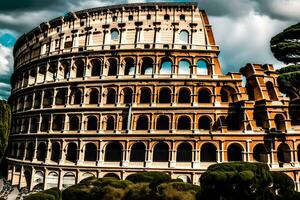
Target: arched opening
{"x":260,"y":153}
{"x":52,"y":180}
{"x":142,"y":123}
{"x":92,"y":123}
{"x":250,"y":92}
{"x":38,"y":180}
{"x":110,"y":123}
{"x":94,"y":96}
{"x":57,"y":124}
{"x":184,"y":96}
{"x":184,"y":123}
{"x":112,"y":175}
{"x":21,"y":103}
{"x":55,"y":151}
{"x":165,"y":95}
{"x":113,"y":67}
{"x":114,"y":34}
{"x":32,"y":77}
{"x":208,"y":153}
{"x":203,"y":96}
{"x":184,"y":153}
{"x":167,"y":17}
{"x":41,"y":74}
{"x":76,"y":97}
{"x":69,"y":179}
{"x":47,"y":100}
{"x":37,"y":100}
{"x":113,"y":152}
{"x":45,"y":123}
{"x":65,"y":66}
{"x":21,"y":151}
{"x":184,"y":36}
{"x":15,"y":151}
{"x":271,"y":91}
{"x":29,"y":151}
{"x":224,"y":95}
{"x":28,"y":102}
{"x":166,"y":66}
{"x":227,"y":94}
{"x":204,"y":123}
{"x":79,"y":64}
{"x":137,"y":153}
{"x":129,"y":66}
{"x":284,"y":153}
{"x":125,"y":122}
{"x":234,"y":152}
{"x":147,"y":66}
{"x":163,"y":123}
{"x":145,"y":96}
{"x":96,"y":67}
{"x":74,"y":123}
{"x":33,"y":125}
{"x":25,"y":126}
{"x":71,"y":152}
{"x":182,"y":17}
{"x":127,"y":92}
{"x":202,"y":67}
{"x":41,"y":152}
{"x":279,"y":122}
{"x":111,"y":96}
{"x":184,"y":67}
{"x":234,"y":122}
{"x":52,"y":70}
{"x":161,"y":152}
{"x":60,"y":98}
{"x":90,"y":153}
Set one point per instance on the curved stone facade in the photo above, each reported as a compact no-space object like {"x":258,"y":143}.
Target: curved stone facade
{"x":116,"y":90}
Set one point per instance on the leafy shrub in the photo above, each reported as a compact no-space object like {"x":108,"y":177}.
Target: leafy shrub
{"x":40,"y":196}
{"x":140,"y":191}
{"x":148,"y":177}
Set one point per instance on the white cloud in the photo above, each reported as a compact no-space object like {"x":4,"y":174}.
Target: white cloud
{"x":6,"y":60}
{"x":282,"y":9}
{"x":246,"y":39}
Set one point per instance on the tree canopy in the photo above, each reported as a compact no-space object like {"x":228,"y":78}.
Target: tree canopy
{"x":242,"y":180}
{"x":286,"y":45}
{"x":5,"y":119}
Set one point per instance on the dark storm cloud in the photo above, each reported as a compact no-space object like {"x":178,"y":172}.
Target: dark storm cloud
{"x":25,"y":5}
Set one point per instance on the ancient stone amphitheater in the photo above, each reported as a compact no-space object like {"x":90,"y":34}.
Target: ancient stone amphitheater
{"x":121,"y":89}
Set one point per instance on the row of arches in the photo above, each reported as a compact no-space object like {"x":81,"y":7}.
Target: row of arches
{"x":114,"y":152}
{"x":126,"y":96}
{"x":96,"y":67}
{"x":59,"y":122}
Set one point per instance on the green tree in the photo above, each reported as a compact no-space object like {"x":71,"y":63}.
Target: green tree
{"x":286,"y":46}
{"x":242,"y":180}
{"x":5,"y":120}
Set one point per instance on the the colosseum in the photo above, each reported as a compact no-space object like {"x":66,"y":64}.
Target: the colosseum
{"x":121,"y":89}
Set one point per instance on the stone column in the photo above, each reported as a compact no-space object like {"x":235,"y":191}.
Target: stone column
{"x":100,"y":154}
{"x":148,"y":155}
{"x":125,"y":160}
{"x":172,"y":155}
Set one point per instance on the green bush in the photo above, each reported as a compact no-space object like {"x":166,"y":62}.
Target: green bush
{"x":54,"y":192}
{"x":148,"y":177}
{"x":40,"y":196}
{"x":140,"y":191}
{"x":50,"y":194}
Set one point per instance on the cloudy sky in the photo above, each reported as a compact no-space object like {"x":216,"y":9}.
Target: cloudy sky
{"x":242,"y":28}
